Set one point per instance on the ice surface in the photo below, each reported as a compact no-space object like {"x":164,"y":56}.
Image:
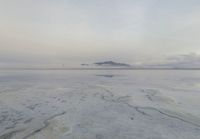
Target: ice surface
{"x":100,"y":104}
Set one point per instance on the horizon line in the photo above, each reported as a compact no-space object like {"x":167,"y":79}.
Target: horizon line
{"x":112,"y":68}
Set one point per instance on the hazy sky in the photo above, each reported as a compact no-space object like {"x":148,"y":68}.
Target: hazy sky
{"x":82,"y":31}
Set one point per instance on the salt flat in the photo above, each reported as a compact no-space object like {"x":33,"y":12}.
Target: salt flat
{"x":107,"y":104}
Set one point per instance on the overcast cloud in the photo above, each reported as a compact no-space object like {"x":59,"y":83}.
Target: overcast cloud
{"x":70,"y":32}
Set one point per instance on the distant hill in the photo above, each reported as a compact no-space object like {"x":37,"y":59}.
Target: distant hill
{"x":112,"y":64}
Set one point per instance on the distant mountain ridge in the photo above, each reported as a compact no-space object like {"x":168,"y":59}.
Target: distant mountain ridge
{"x":112,"y":63}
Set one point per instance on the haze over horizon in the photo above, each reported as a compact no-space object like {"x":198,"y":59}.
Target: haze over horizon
{"x":71,"y":32}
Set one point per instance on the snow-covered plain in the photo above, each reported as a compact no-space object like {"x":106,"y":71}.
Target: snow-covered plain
{"x":89,"y":104}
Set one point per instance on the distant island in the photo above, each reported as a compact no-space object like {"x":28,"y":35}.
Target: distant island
{"x":84,"y":64}
{"x":112,"y":64}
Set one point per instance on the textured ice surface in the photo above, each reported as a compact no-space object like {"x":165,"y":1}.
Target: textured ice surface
{"x":99,"y":104}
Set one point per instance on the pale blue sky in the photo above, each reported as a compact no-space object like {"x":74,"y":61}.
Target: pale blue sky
{"x":74,"y":31}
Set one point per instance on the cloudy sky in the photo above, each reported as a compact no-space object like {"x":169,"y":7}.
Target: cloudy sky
{"x":55,"y":32}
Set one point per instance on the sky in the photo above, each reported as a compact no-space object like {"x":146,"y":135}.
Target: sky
{"x":71,"y":32}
